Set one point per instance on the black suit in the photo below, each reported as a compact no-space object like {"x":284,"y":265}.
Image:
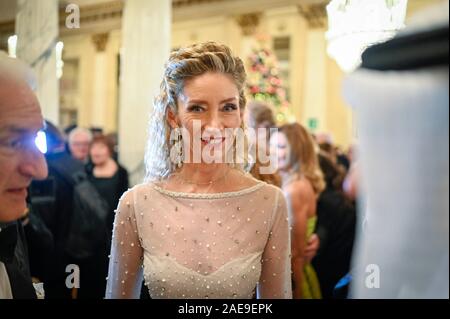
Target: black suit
{"x":336,"y":223}
{"x":53,"y":213}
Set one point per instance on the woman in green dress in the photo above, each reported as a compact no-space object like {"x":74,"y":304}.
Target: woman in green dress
{"x":302,"y":182}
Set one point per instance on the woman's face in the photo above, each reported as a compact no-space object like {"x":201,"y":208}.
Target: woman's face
{"x":99,"y":153}
{"x":208,"y":109}
{"x":279,"y":145}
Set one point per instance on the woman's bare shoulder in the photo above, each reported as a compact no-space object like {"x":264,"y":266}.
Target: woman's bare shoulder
{"x":301,"y":188}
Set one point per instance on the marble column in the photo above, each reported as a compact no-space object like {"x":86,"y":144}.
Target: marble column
{"x":37,"y":32}
{"x":146,"y":39}
{"x":315,"y":80}
{"x":99,"y":106}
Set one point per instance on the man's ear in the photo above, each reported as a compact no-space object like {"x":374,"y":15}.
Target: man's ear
{"x":172,"y":119}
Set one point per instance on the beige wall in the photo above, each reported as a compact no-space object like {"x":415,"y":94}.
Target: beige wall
{"x":416,"y":5}
{"x":315,"y":79}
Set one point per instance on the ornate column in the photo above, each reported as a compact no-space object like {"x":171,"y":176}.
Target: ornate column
{"x":99,"y":109}
{"x":146,"y":47}
{"x":249,"y":24}
{"x":315,"y":77}
{"x":37,"y":31}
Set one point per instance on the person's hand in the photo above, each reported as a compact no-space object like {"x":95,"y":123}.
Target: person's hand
{"x":312,"y":247}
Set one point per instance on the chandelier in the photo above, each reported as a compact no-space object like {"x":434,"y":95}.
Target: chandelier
{"x":354,"y":25}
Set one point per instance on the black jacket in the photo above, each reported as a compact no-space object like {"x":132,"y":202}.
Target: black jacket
{"x":14,"y":254}
{"x":336,"y":223}
{"x":52,"y":205}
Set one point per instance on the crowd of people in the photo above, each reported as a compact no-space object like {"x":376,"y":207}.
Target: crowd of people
{"x":190,"y":226}
{"x":82,"y":171}
{"x":311,"y":173}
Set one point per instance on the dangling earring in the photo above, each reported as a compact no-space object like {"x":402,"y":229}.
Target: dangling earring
{"x":178,"y":148}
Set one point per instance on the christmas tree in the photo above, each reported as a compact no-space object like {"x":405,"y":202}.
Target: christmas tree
{"x":264,"y":83}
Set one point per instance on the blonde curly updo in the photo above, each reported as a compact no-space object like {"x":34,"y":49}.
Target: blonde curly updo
{"x":184,"y":64}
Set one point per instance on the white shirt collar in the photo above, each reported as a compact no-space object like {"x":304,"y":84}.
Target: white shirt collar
{"x":5,"y":286}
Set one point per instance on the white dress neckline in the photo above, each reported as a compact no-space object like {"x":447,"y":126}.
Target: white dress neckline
{"x":241,"y":192}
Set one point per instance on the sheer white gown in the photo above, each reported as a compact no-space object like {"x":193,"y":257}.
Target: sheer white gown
{"x":189,"y":245}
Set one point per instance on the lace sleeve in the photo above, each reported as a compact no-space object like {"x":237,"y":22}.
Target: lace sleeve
{"x":125,"y":265}
{"x":275,"y":281}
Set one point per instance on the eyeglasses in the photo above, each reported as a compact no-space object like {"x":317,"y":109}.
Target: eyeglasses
{"x":12,"y":145}
{"x":41,"y":142}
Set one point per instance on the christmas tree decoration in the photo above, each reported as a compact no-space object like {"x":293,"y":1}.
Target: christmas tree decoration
{"x":264,"y":83}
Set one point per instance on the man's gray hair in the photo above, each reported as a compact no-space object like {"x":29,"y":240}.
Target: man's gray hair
{"x":80,"y":130}
{"x":16,"y":70}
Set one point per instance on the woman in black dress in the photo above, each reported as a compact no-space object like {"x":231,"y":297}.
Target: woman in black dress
{"x":108,"y":177}
{"x":111,"y":181}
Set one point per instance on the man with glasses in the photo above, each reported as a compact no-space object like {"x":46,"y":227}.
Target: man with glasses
{"x":20,"y":162}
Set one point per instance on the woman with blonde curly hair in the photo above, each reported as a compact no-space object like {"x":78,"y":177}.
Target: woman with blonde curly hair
{"x":302,"y":182}
{"x":200,"y":226}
